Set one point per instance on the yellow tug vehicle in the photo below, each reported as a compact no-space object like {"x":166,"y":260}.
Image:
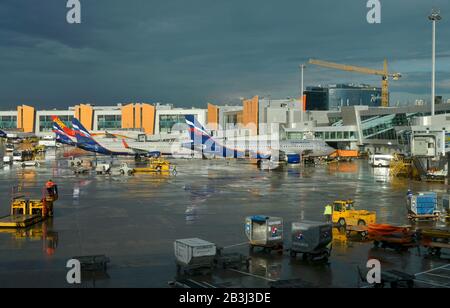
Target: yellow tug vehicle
{"x":345,"y":214}
{"x":157,"y":165}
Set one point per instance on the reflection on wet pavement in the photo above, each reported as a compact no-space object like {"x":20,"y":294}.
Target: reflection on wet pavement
{"x":134,"y":220}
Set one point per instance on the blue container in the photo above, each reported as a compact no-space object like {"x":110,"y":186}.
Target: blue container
{"x":424,"y":203}
{"x":293,"y":158}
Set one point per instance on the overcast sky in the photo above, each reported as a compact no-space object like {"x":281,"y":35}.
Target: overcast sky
{"x":190,"y":52}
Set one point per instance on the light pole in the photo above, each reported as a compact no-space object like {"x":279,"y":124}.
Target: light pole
{"x":435,"y":16}
{"x":302,"y":68}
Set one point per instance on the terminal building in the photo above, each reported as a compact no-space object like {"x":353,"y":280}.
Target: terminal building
{"x":334,"y":97}
{"x":363,"y":127}
{"x":142,"y":117}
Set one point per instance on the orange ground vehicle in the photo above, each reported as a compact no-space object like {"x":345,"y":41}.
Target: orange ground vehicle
{"x":346,"y":155}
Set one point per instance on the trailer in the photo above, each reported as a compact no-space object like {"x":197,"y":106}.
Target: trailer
{"x":31,"y":163}
{"x":25,"y":212}
{"x":311,"y":239}
{"x":233,"y":260}
{"x":194,"y":255}
{"x":393,"y":278}
{"x":387,"y":236}
{"x":73,"y":161}
{"x":361,"y":231}
{"x":157,"y":165}
{"x":265,"y":232}
{"x":81,"y":170}
{"x":94,"y":263}
{"x":434,"y":240}
{"x":446,"y":207}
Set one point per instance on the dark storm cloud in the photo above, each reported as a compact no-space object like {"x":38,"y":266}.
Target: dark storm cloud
{"x":189,"y":52}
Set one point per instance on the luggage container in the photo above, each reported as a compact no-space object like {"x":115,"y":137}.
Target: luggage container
{"x":423,"y":206}
{"x":312,"y":239}
{"x":103,"y":168}
{"x":7,"y":160}
{"x":293,"y":159}
{"x":424,"y":203}
{"x":194,"y":254}
{"x":265,"y":232}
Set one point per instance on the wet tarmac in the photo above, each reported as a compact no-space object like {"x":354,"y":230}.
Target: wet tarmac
{"x":134,"y":220}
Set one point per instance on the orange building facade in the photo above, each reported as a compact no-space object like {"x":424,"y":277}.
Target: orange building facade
{"x":85,"y":114}
{"x":250,"y":114}
{"x":213,"y":117}
{"x":139,"y":116}
{"x":26,"y":116}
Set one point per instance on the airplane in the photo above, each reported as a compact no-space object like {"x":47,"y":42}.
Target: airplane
{"x":64,"y":134}
{"x":68,"y":131}
{"x":201,"y":140}
{"x":86,"y":141}
{"x":112,"y":142}
{"x":3,"y":134}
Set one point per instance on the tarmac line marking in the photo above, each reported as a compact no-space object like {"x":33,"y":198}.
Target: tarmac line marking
{"x":432,"y":284}
{"x":235,"y":245}
{"x":248,"y":274}
{"x":208,"y":284}
{"x":433,"y":269}
{"x":436,"y":275}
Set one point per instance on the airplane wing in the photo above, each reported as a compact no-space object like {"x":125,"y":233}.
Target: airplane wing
{"x":141,"y":151}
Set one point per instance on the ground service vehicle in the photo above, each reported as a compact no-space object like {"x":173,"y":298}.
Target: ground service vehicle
{"x":344,"y":213}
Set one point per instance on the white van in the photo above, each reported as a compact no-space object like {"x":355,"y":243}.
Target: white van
{"x":380,"y":160}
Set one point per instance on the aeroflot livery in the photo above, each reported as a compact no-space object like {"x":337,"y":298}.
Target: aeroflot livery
{"x":80,"y":137}
{"x":202,"y":141}
{"x":64,"y":134}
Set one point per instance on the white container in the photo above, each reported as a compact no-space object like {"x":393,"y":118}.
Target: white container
{"x":48,"y":137}
{"x":194,"y":251}
{"x":17,"y":156}
{"x":103,"y":168}
{"x":7,"y":159}
{"x":48,"y":143}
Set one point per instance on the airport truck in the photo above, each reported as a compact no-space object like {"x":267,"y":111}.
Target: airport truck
{"x":345,"y":214}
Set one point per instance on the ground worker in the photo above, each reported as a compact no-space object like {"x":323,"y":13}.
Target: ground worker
{"x":328,"y":213}
{"x":51,"y":188}
{"x":409,"y":195}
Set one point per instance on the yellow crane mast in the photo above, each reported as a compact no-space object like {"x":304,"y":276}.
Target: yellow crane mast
{"x":385,"y":75}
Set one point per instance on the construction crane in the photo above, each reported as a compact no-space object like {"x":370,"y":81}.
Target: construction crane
{"x":385,"y":75}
